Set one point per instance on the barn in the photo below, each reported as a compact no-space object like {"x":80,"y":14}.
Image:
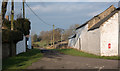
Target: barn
{"x":99,"y":35}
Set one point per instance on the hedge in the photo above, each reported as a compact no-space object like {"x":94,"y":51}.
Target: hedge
{"x":9,"y":35}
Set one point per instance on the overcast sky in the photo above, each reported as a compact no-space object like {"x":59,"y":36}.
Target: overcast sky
{"x":62,"y":14}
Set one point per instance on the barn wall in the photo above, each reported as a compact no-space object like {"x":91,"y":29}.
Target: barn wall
{"x":94,"y":42}
{"x":79,"y":39}
{"x":70,"y":43}
{"x":21,"y":46}
{"x":88,"y":41}
{"x":119,"y":37}
{"x":109,"y":34}
{"x":84,"y":39}
{"x":77,"y":45}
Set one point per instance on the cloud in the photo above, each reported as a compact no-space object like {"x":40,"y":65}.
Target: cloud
{"x":64,"y":14}
{"x":59,"y":7}
{"x":94,"y":13}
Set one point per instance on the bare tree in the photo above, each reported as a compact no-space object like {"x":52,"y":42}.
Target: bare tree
{"x":70,"y":31}
{"x":35,"y":37}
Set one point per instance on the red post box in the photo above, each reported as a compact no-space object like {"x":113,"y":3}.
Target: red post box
{"x":109,"y":45}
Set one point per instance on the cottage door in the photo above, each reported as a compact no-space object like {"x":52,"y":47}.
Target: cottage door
{"x":79,"y":44}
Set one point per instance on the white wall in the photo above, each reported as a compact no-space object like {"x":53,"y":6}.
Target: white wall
{"x":70,"y":43}
{"x":109,"y":34}
{"x":84,"y":39}
{"x":77,"y":45}
{"x":80,"y":34}
{"x":94,"y":42}
{"x":29,"y":45}
{"x":88,"y":40}
{"x":119,"y":34}
{"x":21,"y":46}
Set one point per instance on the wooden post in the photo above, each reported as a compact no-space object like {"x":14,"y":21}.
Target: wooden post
{"x":51,"y":40}
{"x":12,"y":14}
{"x":24,"y":18}
{"x":53,"y":37}
{"x":23,"y":9}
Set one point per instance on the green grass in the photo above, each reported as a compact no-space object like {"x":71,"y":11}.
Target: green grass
{"x":22,"y":60}
{"x":41,"y":43}
{"x":83,"y":54}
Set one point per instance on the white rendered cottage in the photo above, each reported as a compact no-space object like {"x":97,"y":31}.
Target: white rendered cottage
{"x":99,"y":35}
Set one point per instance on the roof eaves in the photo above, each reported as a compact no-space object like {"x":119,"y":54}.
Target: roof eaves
{"x":94,"y":17}
{"x":103,"y":20}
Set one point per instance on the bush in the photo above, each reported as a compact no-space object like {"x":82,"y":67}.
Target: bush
{"x":6,"y":24}
{"x":9,"y":35}
{"x":22,"y":25}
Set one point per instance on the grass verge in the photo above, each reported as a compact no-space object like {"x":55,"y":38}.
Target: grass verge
{"x":83,"y":54}
{"x":41,"y":43}
{"x":22,"y":60}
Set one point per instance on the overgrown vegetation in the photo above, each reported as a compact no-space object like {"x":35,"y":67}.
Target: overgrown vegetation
{"x":83,"y":54}
{"x":22,"y":60}
{"x":8,"y":36}
{"x":20,"y":24}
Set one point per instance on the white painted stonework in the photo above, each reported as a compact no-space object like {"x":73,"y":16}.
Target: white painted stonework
{"x":96,"y":41}
{"x":109,"y":34}
{"x":21,"y":46}
{"x":29,"y":43}
{"x":88,"y":41}
{"x":70,"y":44}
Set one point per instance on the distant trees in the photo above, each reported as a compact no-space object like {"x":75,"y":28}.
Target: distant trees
{"x":70,"y":31}
{"x":35,"y":38}
{"x":47,"y":36}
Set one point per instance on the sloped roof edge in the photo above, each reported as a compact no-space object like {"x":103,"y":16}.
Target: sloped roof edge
{"x":94,"y":17}
{"x":103,"y":20}
{"x":72,"y":36}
